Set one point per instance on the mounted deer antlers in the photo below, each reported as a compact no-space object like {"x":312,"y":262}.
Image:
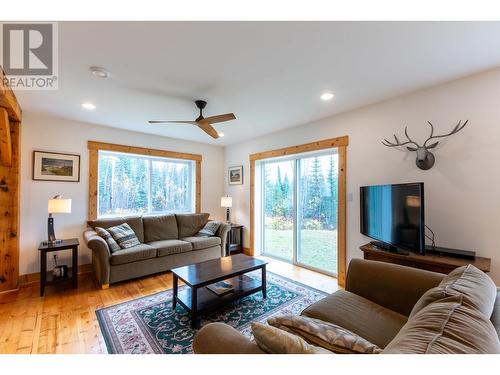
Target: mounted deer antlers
{"x":425,"y":158}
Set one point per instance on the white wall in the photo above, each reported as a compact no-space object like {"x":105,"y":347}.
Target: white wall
{"x":462,"y":195}
{"x":41,"y":132}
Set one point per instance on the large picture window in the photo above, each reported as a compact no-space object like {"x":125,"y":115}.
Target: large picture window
{"x":127,"y":180}
{"x":135,"y":184}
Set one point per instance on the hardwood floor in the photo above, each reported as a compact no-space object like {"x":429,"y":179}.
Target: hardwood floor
{"x":64,"y":321}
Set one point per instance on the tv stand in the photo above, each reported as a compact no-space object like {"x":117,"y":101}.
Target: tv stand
{"x":435,"y":263}
{"x":389,"y":247}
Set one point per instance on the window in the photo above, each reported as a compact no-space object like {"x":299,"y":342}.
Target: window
{"x":139,"y":184}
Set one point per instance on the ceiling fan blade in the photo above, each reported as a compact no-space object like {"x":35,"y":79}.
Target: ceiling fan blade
{"x":219,"y":118}
{"x":207,"y":128}
{"x":172,"y":122}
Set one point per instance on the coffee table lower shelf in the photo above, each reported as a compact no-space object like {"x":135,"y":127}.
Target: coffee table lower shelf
{"x":206,"y":300}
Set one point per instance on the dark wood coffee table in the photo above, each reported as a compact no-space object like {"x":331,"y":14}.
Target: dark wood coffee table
{"x":199,"y":300}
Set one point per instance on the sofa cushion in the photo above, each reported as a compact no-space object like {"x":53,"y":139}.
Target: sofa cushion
{"x":495,"y":317}
{"x":447,"y":326}
{"x":190,"y":224}
{"x":358,"y":315}
{"x":160,"y":227}
{"x":135,"y":223}
{"x":324,"y":334}
{"x":133,"y":254}
{"x":209,"y":229}
{"x":124,"y":236}
{"x":169,"y":247}
{"x":110,"y":241}
{"x":202,"y":242}
{"x":477,"y":288}
{"x":276,"y":341}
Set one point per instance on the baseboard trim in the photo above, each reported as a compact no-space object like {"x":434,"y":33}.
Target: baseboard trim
{"x":31,"y":278}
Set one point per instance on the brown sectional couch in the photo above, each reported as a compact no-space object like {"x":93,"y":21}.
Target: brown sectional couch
{"x":167,"y":241}
{"x":400,"y":309}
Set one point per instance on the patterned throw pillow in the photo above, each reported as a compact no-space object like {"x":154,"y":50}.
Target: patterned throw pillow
{"x":324,"y":334}
{"x":124,"y":236}
{"x":106,"y":236}
{"x":276,"y":341}
{"x":209,"y":229}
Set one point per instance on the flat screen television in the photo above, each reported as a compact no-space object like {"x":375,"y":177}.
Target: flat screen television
{"x":394,"y":215}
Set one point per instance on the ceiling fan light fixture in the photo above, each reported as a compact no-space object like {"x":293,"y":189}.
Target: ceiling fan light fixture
{"x":327,"y":96}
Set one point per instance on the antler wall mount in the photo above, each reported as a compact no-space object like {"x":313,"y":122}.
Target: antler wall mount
{"x":425,"y":158}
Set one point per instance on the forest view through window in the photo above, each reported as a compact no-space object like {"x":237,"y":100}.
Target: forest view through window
{"x":136,"y":184}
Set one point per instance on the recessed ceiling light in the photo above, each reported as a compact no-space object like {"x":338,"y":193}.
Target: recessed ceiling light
{"x":88,"y":106}
{"x":99,"y":72}
{"x":327,"y":96}
{"x":221,"y":134}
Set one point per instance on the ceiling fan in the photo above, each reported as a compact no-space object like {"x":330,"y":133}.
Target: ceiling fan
{"x":204,"y":123}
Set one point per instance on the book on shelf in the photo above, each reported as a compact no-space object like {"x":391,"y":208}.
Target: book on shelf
{"x":220,"y":288}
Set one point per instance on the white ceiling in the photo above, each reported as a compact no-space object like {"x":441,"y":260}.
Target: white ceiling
{"x":270,"y":74}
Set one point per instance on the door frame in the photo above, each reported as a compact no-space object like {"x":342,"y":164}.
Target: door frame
{"x":341,"y":144}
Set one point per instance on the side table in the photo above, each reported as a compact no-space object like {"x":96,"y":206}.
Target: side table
{"x":46,"y":277}
{"x":234,"y":244}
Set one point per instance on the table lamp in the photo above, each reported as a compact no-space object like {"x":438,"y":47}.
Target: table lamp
{"x":226,"y":202}
{"x":57,"y":205}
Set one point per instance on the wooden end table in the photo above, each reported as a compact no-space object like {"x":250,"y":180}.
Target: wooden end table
{"x":234,"y":244}
{"x":46,"y":277}
{"x":199,"y":300}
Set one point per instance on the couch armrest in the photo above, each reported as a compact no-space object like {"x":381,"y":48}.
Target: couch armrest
{"x":220,"y":338}
{"x":395,"y":287}
{"x":100,"y":256}
{"x":222,"y":233}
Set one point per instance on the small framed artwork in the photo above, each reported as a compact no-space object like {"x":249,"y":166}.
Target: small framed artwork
{"x":55,"y":166}
{"x":235,"y":175}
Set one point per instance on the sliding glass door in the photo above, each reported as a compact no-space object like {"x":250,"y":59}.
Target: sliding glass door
{"x":317,"y":212}
{"x":300,"y":205}
{"x":278,"y":201}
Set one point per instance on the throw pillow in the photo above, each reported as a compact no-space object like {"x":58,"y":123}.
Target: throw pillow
{"x":106,"y":236}
{"x":276,"y":341}
{"x":326,"y":335}
{"x":209,"y":229}
{"x":124,"y":236}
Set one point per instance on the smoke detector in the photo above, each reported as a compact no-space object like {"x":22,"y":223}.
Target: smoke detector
{"x":99,"y":72}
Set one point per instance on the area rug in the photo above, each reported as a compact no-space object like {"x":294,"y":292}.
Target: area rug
{"x":148,"y":325}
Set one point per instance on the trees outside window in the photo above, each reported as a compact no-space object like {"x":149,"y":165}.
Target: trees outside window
{"x":135,"y":184}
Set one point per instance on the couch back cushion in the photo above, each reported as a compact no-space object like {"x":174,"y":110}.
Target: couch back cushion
{"x":135,"y":223}
{"x":160,"y":227}
{"x":190,"y":224}
{"x":477,"y":288}
{"x":447,"y":326}
{"x":495,"y":317}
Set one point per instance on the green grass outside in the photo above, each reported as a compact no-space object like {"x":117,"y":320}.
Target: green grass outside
{"x":318,"y":247}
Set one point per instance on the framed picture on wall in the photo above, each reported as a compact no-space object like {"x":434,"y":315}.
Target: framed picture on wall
{"x":235,"y":175}
{"x":55,"y":166}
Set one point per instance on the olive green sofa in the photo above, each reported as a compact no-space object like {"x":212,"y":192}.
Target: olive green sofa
{"x":166,"y":242}
{"x":400,"y":309}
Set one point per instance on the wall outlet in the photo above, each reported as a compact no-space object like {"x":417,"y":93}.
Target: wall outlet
{"x":349,"y":197}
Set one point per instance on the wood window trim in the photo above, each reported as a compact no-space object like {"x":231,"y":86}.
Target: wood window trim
{"x":341,"y":144}
{"x":94,"y":148}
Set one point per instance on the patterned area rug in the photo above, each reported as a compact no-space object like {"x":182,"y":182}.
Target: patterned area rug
{"x":148,"y":325}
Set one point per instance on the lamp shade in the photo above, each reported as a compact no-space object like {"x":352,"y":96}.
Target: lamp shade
{"x":226,"y":202}
{"x":59,"y":206}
